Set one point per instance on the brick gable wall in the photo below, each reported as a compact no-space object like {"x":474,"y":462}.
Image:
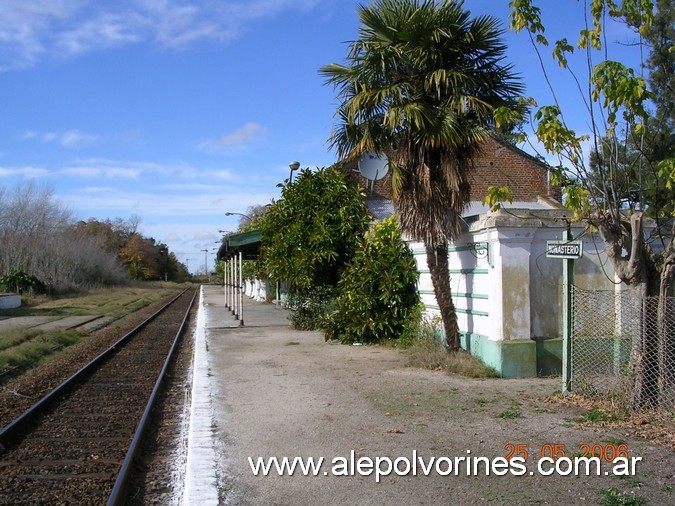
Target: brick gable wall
{"x":498,"y":164}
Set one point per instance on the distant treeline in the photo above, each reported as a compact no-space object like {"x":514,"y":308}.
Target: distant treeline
{"x":41,"y":240}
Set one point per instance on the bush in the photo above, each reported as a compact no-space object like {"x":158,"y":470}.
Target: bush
{"x":312,"y":232}
{"x":378,"y":296}
{"x":309,"y":309}
{"x":20,"y":282}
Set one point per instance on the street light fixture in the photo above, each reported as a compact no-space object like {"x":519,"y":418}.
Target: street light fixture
{"x":294,"y":165}
{"x":238,"y":214}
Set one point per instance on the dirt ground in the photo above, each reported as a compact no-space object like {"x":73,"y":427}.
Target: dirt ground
{"x":283,"y":393}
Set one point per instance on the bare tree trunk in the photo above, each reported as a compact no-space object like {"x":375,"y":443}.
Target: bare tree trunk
{"x":632,"y":270}
{"x":437,"y":260}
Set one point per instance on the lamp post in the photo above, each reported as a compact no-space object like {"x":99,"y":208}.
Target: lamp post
{"x":294,"y":165}
{"x":206,"y":265}
{"x":236,"y":214}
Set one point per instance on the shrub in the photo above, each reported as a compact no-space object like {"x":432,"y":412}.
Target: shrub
{"x":378,"y":296}
{"x":20,"y":282}
{"x":311,"y":233}
{"x":309,"y":309}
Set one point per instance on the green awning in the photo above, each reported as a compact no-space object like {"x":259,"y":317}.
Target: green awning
{"x":248,"y":243}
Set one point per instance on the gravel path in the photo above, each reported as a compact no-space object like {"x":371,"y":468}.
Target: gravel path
{"x":276,"y":392}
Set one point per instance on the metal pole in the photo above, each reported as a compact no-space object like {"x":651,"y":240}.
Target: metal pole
{"x":227,"y":287}
{"x":568,"y":280}
{"x":227,"y":284}
{"x":236,"y":287}
{"x":206,"y":267}
{"x":241,"y":289}
{"x":232,"y":275}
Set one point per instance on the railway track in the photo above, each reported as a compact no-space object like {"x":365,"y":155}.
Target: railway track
{"x":76,"y":445}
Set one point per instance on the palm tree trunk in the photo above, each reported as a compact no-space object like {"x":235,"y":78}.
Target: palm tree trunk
{"x":437,"y":260}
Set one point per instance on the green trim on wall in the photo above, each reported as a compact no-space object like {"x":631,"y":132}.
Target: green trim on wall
{"x":469,"y":271}
{"x":459,"y":271}
{"x":473,"y":312}
{"x":458,"y":294}
{"x":519,"y":358}
{"x":512,"y":359}
{"x":477,"y":246}
{"x":459,"y":310}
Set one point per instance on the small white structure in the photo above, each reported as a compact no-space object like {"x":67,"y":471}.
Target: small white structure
{"x":507,"y":293}
{"x":10,"y":300}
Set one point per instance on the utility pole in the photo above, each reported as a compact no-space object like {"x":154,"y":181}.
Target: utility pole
{"x":206,"y":267}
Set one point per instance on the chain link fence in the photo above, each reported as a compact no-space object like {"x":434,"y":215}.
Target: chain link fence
{"x":623,"y":349}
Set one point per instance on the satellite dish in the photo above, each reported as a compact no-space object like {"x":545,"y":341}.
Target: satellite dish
{"x":373,"y":167}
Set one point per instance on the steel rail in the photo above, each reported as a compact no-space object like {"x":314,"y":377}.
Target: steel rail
{"x":36,"y":408}
{"x":118,"y":493}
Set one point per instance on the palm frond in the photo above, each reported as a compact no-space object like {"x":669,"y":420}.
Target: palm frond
{"x":426,"y":78}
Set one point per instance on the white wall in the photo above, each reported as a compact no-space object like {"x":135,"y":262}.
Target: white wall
{"x":503,"y":285}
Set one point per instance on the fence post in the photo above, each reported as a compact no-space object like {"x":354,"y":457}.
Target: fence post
{"x":568,"y":281}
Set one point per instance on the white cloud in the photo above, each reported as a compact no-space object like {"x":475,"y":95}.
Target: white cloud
{"x":25,"y":29}
{"x":97,"y":189}
{"x":28,"y":172}
{"x":33,"y":29}
{"x":224,"y":175}
{"x":248,"y":133}
{"x":106,"y":30}
{"x":122,"y":173}
{"x":119,"y":169}
{"x":76,"y":139}
{"x":83,"y":172}
{"x":106,"y":172}
{"x":148,"y":203}
{"x":71,"y":139}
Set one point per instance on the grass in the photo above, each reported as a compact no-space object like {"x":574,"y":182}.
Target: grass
{"x":426,"y":352}
{"x":482,"y":402}
{"x":614,"y":497}
{"x":510,"y":414}
{"x":595,"y":415}
{"x":32,"y":349}
{"x":109,"y":302}
{"x":14,"y":337}
{"x":22,"y":349}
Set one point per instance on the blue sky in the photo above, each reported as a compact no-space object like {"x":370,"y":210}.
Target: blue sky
{"x":179,"y":111}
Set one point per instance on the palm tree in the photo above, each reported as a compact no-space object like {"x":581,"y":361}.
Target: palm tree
{"x":423,"y":82}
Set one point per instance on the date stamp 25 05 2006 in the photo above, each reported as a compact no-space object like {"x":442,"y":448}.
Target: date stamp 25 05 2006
{"x":607,"y":452}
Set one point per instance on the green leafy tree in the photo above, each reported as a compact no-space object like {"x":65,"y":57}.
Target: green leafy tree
{"x":378,"y":297}
{"x":615,"y":99}
{"x":141,"y":257}
{"x":427,"y":80}
{"x":312,"y":231}
{"x":640,"y":177}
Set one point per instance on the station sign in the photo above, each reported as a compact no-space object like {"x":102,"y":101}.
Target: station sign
{"x":564,"y":249}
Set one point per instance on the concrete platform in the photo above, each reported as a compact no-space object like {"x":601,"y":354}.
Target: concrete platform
{"x":265,"y":390}
{"x":255,"y":314}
